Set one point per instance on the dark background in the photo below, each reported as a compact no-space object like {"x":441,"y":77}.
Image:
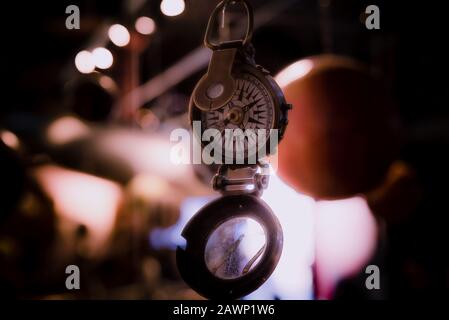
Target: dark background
{"x":410,"y":51}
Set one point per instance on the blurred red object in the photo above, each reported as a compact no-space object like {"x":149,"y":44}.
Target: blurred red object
{"x":343,"y":131}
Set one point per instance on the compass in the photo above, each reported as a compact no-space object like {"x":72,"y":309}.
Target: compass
{"x":234,"y":243}
{"x":257,"y":107}
{"x":251,"y":107}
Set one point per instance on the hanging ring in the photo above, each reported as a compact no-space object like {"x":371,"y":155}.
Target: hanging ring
{"x":230,"y":43}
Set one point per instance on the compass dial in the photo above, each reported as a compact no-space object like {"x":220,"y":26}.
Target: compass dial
{"x":251,"y":107}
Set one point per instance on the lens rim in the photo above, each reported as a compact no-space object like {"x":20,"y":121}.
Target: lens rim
{"x":191,"y":262}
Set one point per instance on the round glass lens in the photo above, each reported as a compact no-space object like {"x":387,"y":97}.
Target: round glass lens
{"x":234,"y":248}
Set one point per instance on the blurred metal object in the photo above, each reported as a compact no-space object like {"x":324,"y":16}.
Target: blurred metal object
{"x":248,"y":180}
{"x":222,"y":6}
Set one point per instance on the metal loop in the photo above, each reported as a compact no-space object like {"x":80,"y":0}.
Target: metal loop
{"x":230,"y":43}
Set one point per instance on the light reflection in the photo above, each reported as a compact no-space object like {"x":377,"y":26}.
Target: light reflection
{"x":234,"y":248}
{"x":293,"y":72}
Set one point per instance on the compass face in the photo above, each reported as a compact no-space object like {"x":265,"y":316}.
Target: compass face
{"x":251,"y":107}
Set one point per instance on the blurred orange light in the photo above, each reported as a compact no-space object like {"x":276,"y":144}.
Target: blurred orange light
{"x":145,"y":25}
{"x":119,"y":35}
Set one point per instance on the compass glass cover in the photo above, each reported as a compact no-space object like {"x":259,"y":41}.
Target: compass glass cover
{"x":235,"y":247}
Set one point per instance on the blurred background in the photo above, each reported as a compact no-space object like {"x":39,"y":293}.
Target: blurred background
{"x":86,"y":177}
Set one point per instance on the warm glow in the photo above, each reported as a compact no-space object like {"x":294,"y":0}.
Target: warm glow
{"x":346,"y":237}
{"x":107,"y":83}
{"x":10,"y":139}
{"x":143,"y":154}
{"x":65,"y":130}
{"x":292,"y":278}
{"x":84,"y":62}
{"x":149,"y":187}
{"x":172,"y":8}
{"x":293,"y":72}
{"x":119,"y":35}
{"x":81,"y":198}
{"x":145,"y":25}
{"x":102,"y":58}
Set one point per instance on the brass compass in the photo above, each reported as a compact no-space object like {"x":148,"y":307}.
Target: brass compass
{"x":234,"y":243}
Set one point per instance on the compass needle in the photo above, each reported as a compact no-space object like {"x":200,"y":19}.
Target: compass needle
{"x":252,"y":120}
{"x":253,"y":259}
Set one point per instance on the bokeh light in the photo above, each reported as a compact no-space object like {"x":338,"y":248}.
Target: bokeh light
{"x":145,"y":25}
{"x":102,"y":58}
{"x":10,"y":139}
{"x":66,"y":129}
{"x":119,"y":35}
{"x":107,"y":83}
{"x":84,"y":62}
{"x":172,"y":8}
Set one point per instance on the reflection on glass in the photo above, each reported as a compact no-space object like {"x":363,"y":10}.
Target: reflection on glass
{"x":234,"y":248}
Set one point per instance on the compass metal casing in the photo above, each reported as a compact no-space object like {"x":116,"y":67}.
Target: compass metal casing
{"x":264,"y":86}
